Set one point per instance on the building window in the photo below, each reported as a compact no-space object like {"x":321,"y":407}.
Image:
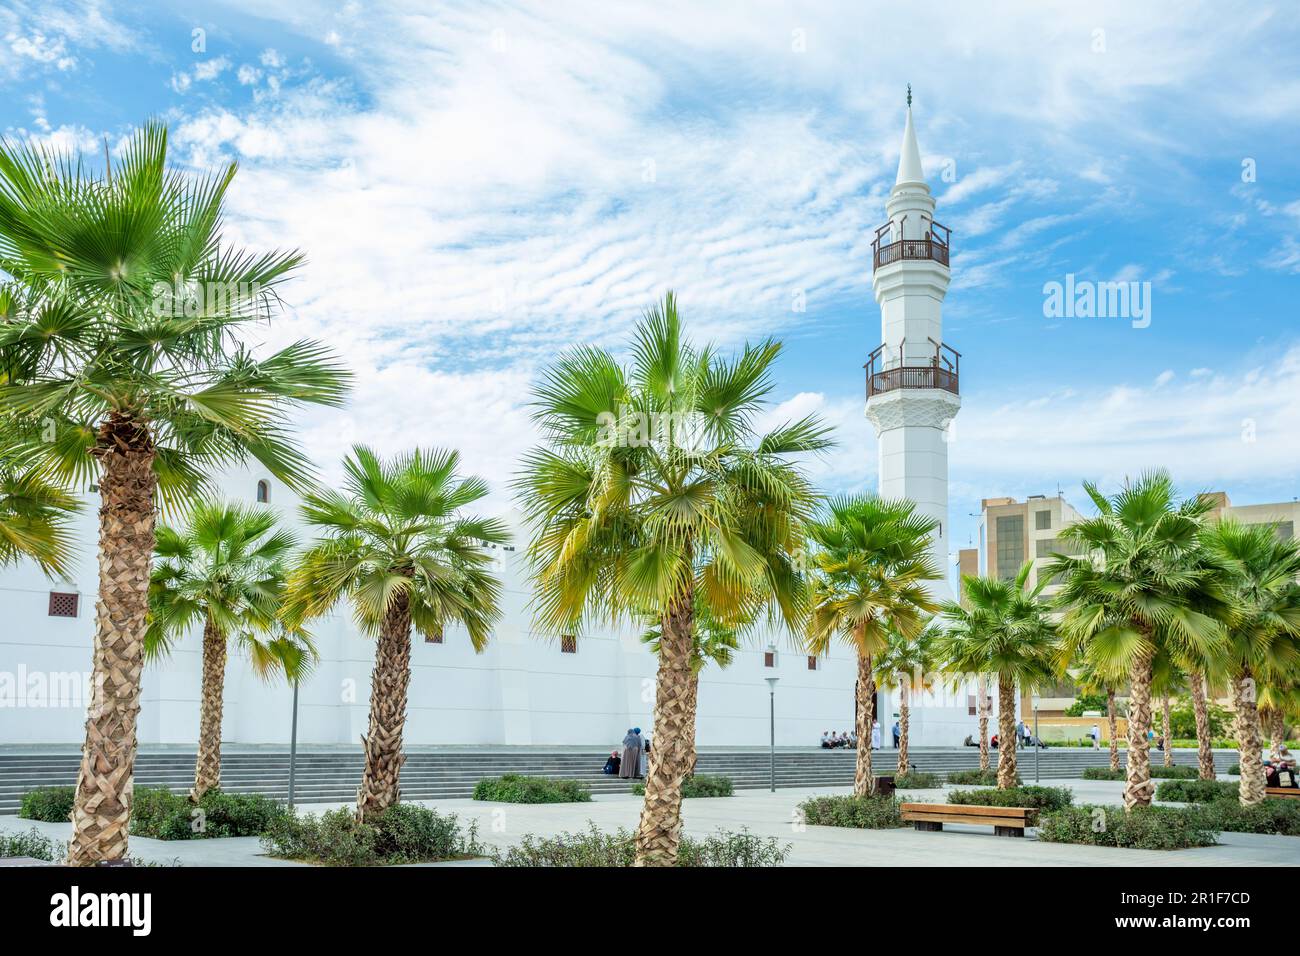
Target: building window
{"x":435,"y":638}
{"x":1285,"y":530}
{"x":1011,"y":546}
{"x":568,"y":643}
{"x":972,"y":705}
{"x":264,"y":492}
{"x":1042,"y":520}
{"x":769,"y":658}
{"x":812,"y":662}
{"x":64,"y":604}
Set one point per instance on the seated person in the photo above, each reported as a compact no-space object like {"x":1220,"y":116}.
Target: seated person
{"x":612,"y":763}
{"x":826,"y":739}
{"x":1285,"y":769}
{"x":993,"y":741}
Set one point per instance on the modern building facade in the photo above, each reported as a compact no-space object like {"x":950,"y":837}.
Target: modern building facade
{"x":525,"y":689}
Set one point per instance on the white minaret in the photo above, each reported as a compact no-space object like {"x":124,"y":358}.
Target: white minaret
{"x":912,"y":377}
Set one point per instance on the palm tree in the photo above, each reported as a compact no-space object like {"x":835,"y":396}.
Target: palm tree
{"x":1264,"y":637}
{"x":124,"y":349}
{"x":225,"y":570}
{"x":870,"y":562}
{"x":1001,"y":628}
{"x":1135,"y":588}
{"x":1094,"y":680}
{"x":1278,"y":700}
{"x":715,"y":641}
{"x":907,"y":664}
{"x":35,"y":515}
{"x":399,"y":549}
{"x":654,"y":486}
{"x":1197,"y":683}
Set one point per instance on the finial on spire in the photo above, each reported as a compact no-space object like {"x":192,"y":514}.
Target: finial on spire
{"x":909,"y":96}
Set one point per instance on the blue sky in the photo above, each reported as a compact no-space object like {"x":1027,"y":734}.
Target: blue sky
{"x":478,"y":185}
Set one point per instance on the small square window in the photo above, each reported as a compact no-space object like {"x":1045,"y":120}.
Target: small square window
{"x":769,"y":658}
{"x":64,"y":604}
{"x":812,"y":662}
{"x":1042,"y":520}
{"x":568,"y":644}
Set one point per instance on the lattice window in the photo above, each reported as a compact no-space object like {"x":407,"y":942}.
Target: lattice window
{"x":435,"y":638}
{"x":568,"y":644}
{"x":64,"y":604}
{"x":812,"y":662}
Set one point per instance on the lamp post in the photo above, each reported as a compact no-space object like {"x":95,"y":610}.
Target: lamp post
{"x":1038,"y":743}
{"x":293,"y":742}
{"x":771,"y":687}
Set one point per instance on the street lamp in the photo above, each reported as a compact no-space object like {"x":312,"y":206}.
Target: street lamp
{"x":1038,"y":741}
{"x":771,"y":687}
{"x":293,"y":742}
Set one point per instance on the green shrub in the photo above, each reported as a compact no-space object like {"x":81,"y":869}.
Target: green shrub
{"x":1196,"y":791}
{"x":864,"y":813}
{"x":1038,"y":798}
{"x":917,"y":781}
{"x":1280,"y":817}
{"x":1182,"y":719}
{"x":1234,"y":770}
{"x":1084,"y":702}
{"x":594,"y":848}
{"x":1161,"y":772}
{"x":162,"y":815}
{"x":50,"y":804}
{"x":516,"y":788}
{"x":977,"y":778}
{"x":1142,"y":828}
{"x":1158,"y":772}
{"x":31,"y":843}
{"x":1103,"y":773}
{"x":702,"y":785}
{"x":404,"y":833}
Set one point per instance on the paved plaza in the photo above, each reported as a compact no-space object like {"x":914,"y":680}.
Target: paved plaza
{"x":765,"y":814}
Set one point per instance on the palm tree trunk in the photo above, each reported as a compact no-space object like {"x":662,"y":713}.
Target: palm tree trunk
{"x":903,"y":712}
{"x":1248,"y":739}
{"x":1276,"y":735}
{"x":864,"y":782}
{"x":1165,"y":732}
{"x":1006,"y":734}
{"x":983,"y":708}
{"x":660,"y":829}
{"x":389,"y":684}
{"x":101,"y":811}
{"x":1204,"y":746}
{"x":1138,"y":787}
{"x":207,"y":769}
{"x":692,"y":706}
{"x":1112,"y":719}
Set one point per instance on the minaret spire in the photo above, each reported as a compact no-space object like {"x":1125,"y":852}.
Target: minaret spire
{"x":909,"y":160}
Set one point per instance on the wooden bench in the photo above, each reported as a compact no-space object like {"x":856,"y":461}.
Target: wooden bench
{"x":1006,"y":821}
{"x":1283,"y":793}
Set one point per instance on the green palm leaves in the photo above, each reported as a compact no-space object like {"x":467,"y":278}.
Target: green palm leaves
{"x":398,"y":529}
{"x":655,"y":480}
{"x":869,"y":567}
{"x":35,"y":516}
{"x":127,"y":307}
{"x":226,"y":568}
{"x":1002,"y":628}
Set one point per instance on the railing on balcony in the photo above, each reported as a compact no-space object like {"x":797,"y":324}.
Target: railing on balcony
{"x":942,"y":371}
{"x":934,"y":246}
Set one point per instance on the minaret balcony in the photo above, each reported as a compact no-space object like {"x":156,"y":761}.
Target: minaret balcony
{"x":941,"y":371}
{"x":933,"y":247}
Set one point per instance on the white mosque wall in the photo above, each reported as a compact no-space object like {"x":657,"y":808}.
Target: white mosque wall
{"x":522,"y":690}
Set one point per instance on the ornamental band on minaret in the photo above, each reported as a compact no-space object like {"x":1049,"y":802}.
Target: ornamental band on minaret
{"x":912,"y":377}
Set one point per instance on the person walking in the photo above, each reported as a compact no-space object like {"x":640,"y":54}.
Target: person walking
{"x":897,"y":734}
{"x":645,"y":753}
{"x":875,"y":735}
{"x":1096,"y":737}
{"x":631,"y":764}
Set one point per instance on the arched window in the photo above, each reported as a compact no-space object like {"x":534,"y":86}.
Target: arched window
{"x":264,"y":492}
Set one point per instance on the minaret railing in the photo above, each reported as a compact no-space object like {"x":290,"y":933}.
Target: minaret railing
{"x":942,"y":371}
